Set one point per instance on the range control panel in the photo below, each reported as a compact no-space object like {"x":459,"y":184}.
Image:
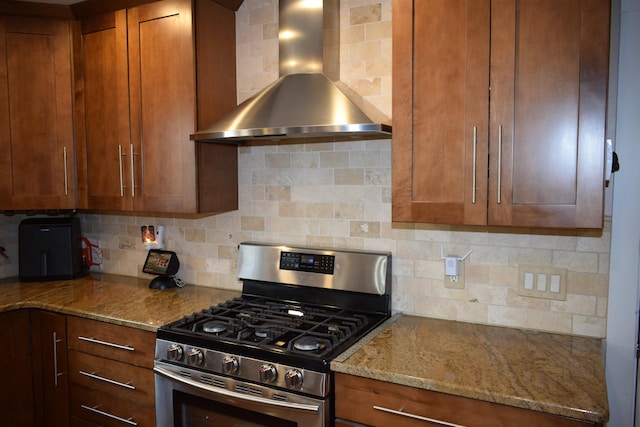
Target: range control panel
{"x":311,"y":263}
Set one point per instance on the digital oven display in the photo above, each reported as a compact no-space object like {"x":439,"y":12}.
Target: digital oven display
{"x":311,"y":263}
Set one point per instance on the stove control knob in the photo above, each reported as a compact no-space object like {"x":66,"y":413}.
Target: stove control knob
{"x":175,"y":352}
{"x":195,"y":357}
{"x":230,"y":365}
{"x":268,"y":373}
{"x":293,"y":378}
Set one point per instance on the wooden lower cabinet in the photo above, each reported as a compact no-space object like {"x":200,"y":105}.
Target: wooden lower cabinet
{"x":50,"y":373}
{"x":111,"y":376}
{"x":377,"y":403}
{"x":16,"y":386}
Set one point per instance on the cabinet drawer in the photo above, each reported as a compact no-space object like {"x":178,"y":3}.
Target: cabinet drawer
{"x":107,"y":410}
{"x":378,"y":403}
{"x":126,"y":381}
{"x":116,"y":342}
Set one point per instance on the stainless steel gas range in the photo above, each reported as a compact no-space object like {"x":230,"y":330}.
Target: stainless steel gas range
{"x":263,"y":359}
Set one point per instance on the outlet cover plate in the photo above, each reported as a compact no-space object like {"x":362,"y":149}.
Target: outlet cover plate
{"x":542,"y":282}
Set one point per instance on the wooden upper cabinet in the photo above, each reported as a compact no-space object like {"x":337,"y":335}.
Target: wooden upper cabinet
{"x":37,"y":167}
{"x":550,"y":114}
{"x":499,"y":112}
{"x":441,"y":99}
{"x":106,"y":112}
{"x":141,"y":100}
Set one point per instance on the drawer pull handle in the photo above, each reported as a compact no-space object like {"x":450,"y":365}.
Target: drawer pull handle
{"x":95,"y":410}
{"x":108,"y":344}
{"x":417,"y":417}
{"x":107,"y":380}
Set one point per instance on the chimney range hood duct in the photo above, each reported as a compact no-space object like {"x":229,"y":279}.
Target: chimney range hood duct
{"x":307,"y":101}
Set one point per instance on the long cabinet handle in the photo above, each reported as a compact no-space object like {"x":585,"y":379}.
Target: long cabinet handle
{"x":499,"y":164}
{"x":475,"y":154}
{"x":133,"y":173}
{"x":106,"y":380}
{"x":56,"y":374}
{"x":106,"y":343}
{"x":416,"y":417}
{"x":66,"y":179}
{"x":120,"y":168}
{"x":95,"y":410}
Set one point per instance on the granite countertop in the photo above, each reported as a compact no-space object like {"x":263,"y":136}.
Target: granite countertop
{"x":552,"y":373}
{"x":122,"y":300}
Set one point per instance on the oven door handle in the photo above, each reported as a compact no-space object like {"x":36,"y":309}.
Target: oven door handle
{"x":229,"y":393}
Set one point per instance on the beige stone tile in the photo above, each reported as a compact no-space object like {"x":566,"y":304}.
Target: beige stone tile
{"x":506,"y":316}
{"x":601,"y":307}
{"x":367,"y":51}
{"x":577,"y":304}
{"x":587,"y":284}
{"x":378,"y":30}
{"x":351,"y":176}
{"x":318,"y":177}
{"x":412,"y":249}
{"x":252,"y":223}
{"x":517,"y":301}
{"x":477,"y":273}
{"x":487,"y":294}
{"x":277,"y":160}
{"x":549,"y":321}
{"x":195,"y":235}
{"x":466,"y":311}
{"x":367,"y":229}
{"x":305,"y":160}
{"x":576,"y":261}
{"x":380,"y":212}
{"x":365,"y":14}
{"x":429,"y":269}
{"x":349,"y":211}
{"x":542,"y":257}
{"x":589,"y":326}
{"x":334,"y":159}
{"x":292,"y":209}
{"x":319,"y":210}
{"x":594,"y":244}
{"x":278,"y":193}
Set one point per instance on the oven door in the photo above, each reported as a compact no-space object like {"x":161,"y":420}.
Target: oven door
{"x":190,"y":398}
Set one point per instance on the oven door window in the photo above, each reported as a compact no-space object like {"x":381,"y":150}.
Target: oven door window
{"x":194,"y":411}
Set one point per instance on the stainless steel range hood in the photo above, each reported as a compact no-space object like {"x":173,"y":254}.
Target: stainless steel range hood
{"x":307,"y":101}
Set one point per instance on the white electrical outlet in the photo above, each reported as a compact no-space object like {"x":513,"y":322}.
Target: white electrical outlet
{"x":542,"y":282}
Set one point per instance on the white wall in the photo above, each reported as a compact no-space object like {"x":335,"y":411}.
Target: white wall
{"x":622,"y":323}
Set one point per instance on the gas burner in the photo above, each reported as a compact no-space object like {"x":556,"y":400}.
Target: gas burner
{"x":306,"y":343}
{"x":214,"y":327}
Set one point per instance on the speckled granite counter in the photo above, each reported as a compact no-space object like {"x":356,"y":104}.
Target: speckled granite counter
{"x":557,"y":374}
{"x":115,"y":299}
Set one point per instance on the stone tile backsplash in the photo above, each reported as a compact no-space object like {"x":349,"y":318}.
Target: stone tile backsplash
{"x":339,"y":195}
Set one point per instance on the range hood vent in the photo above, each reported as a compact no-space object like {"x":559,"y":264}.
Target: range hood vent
{"x":307,"y":101}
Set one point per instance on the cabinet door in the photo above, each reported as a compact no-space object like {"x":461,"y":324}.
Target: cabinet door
{"x":106,"y":112}
{"x":441,"y":101}
{"x":548,"y":117}
{"x":37,"y":168}
{"x":16,"y":387}
{"x":50,"y":368}
{"x":162,"y":106}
